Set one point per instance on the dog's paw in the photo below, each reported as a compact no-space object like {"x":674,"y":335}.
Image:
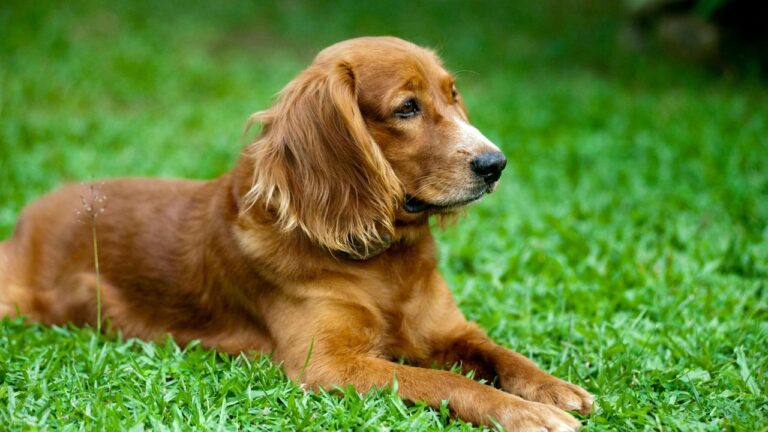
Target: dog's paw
{"x":525,"y":416}
{"x":562,"y":394}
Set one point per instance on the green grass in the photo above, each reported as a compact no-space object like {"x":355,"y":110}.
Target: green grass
{"x":626,"y":249}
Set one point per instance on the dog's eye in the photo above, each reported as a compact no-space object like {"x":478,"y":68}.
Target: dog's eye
{"x":454,"y":94}
{"x":408,"y":109}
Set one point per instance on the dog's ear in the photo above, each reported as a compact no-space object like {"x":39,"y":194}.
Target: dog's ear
{"x":318,"y":169}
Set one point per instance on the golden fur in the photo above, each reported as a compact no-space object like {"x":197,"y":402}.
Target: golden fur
{"x":319,"y":237}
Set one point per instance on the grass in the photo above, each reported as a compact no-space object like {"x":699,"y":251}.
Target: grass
{"x":626,"y":249}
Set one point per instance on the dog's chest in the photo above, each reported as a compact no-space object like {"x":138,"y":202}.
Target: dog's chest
{"x":409,"y":318}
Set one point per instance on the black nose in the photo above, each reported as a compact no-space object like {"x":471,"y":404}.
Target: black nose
{"x":489,"y":166}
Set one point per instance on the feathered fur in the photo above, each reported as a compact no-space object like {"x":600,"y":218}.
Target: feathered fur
{"x":317,"y":167}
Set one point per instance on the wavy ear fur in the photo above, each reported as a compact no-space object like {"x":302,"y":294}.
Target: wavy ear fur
{"x":319,"y":170}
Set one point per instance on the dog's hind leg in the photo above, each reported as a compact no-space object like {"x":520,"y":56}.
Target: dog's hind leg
{"x":17,"y":296}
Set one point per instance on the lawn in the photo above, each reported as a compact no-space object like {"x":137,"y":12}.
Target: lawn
{"x":626,"y":248}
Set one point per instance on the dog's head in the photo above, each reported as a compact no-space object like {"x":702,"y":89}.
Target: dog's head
{"x":373,"y":132}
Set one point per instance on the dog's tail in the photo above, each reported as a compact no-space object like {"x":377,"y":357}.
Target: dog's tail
{"x":3,"y":275}
{"x":6,"y":304}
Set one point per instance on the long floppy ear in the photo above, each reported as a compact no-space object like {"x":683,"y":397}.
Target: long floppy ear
{"x":318,"y":169}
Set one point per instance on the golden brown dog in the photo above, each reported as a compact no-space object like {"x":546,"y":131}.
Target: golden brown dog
{"x":317,"y":240}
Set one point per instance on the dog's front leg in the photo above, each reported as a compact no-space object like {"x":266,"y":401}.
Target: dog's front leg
{"x":468,"y":345}
{"x":453,"y":340}
{"x":335,"y":344}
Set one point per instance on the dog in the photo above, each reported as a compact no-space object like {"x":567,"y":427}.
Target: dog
{"x":316,"y":248}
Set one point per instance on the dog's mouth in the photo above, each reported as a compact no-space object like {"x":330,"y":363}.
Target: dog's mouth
{"x":416,"y":205}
